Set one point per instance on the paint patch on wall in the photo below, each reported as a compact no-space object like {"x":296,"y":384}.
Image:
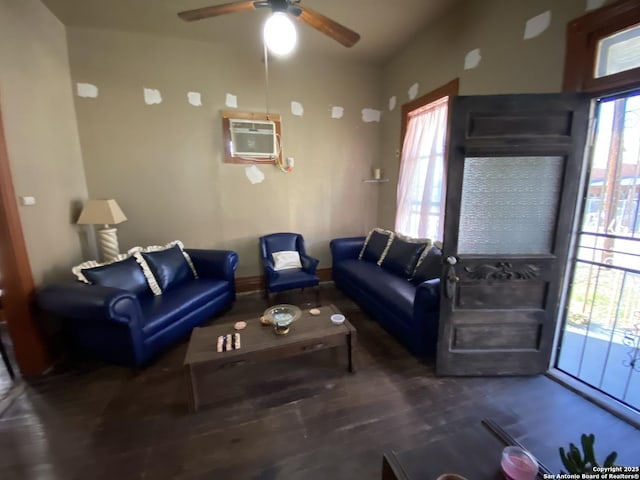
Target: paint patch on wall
{"x":593,"y":4}
{"x":254,"y":174}
{"x":297,"y":109}
{"x":472,"y":59}
{"x":337,"y":112}
{"x":195,"y":99}
{"x":536,"y":25}
{"x":371,"y":115}
{"x":152,"y":96}
{"x":231,"y":101}
{"x":413,"y":91}
{"x":86,"y":90}
{"x":392,"y":103}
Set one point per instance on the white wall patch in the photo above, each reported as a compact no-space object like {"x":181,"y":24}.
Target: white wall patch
{"x":472,"y":59}
{"x":593,"y":4}
{"x":231,"y":101}
{"x":337,"y":112}
{"x":86,"y":90}
{"x":297,"y":109}
{"x":152,"y":96}
{"x":195,"y":99}
{"x":254,"y":174}
{"x":371,"y":115}
{"x":413,"y":91}
{"x":392,"y":103}
{"x":536,"y":25}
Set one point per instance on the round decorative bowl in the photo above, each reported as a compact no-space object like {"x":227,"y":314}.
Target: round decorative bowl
{"x":282,"y":316}
{"x":337,"y":319}
{"x":518,"y":464}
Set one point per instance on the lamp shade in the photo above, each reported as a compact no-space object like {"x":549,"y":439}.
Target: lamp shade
{"x":101,"y":212}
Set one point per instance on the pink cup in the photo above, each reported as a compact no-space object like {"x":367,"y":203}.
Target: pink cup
{"x":518,"y":464}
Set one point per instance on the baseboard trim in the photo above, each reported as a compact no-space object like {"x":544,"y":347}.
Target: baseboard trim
{"x":256,"y":283}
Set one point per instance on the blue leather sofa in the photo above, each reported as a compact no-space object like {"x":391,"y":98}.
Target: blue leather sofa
{"x":406,"y":310}
{"x":128,"y":324}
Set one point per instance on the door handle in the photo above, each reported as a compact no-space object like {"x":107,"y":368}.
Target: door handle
{"x":450,"y":278}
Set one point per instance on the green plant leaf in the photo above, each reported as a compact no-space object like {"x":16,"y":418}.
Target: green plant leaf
{"x":576,"y":457}
{"x":567,"y":462}
{"x":608,"y":462}
{"x":587,"y":448}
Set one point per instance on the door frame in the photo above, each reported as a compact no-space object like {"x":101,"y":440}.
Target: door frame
{"x":583,"y":34}
{"x":29,"y":345}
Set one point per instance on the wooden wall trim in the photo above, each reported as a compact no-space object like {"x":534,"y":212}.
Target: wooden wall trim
{"x":28,"y":340}
{"x":256,"y":283}
{"x":583,"y":35}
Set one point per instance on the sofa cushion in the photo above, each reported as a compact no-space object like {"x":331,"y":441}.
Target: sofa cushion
{"x":77,"y":269}
{"x":429,"y":267}
{"x":402,"y":257}
{"x":160,"y":311}
{"x":154,"y":284}
{"x":376,"y":245}
{"x":395,"y":292}
{"x":125,"y":274}
{"x":169,"y":267}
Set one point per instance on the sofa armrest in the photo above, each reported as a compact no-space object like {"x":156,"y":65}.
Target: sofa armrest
{"x":427,"y":297}
{"x":309,"y":264}
{"x":346,"y":248}
{"x":91,"y":303}
{"x":220,"y":264}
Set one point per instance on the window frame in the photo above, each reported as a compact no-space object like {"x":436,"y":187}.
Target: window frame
{"x":226,"y":136}
{"x":583,"y":36}
{"x":449,"y":89}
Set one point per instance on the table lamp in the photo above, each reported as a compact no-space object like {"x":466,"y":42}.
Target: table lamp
{"x":104,"y":212}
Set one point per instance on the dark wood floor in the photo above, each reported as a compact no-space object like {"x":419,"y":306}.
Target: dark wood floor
{"x":304,"y":418}
{"x":6,"y":382}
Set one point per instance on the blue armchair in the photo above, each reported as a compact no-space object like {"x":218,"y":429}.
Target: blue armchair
{"x":286,"y":279}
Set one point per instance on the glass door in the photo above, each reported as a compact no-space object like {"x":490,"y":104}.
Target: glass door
{"x":600,"y":343}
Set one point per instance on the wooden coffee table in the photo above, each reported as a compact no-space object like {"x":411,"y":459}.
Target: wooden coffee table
{"x":260,"y":343}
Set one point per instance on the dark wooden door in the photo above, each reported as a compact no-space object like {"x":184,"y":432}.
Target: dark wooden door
{"x":513,"y":178}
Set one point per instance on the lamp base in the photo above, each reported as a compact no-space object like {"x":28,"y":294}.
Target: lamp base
{"x":108,"y":238}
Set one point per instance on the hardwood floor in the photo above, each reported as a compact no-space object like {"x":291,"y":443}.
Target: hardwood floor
{"x":302,"y":418}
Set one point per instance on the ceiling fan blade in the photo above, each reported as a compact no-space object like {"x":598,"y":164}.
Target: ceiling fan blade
{"x":329,"y":27}
{"x":215,"y":10}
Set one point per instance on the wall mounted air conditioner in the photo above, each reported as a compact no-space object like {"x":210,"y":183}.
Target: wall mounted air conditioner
{"x":253,"y":138}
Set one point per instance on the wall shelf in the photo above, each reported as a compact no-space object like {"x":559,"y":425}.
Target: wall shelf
{"x":373,"y":180}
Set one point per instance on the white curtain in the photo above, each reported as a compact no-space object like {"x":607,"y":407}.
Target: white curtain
{"x":421,"y":186}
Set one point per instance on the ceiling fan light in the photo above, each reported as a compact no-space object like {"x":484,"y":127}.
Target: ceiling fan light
{"x":280,"y":34}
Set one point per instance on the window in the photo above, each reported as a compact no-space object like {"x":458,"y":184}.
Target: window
{"x":421,"y":183}
{"x":603,"y":49}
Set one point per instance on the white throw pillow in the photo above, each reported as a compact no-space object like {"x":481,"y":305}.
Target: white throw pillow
{"x":286,"y":259}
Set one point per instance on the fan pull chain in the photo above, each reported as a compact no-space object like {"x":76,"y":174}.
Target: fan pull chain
{"x":266,"y":75}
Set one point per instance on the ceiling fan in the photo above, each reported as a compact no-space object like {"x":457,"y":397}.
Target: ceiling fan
{"x":331,"y":28}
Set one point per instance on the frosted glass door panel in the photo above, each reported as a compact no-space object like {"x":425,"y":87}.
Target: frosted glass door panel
{"x":509,"y":205}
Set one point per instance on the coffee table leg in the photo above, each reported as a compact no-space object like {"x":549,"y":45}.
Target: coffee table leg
{"x":350,"y":342}
{"x":191,"y":386}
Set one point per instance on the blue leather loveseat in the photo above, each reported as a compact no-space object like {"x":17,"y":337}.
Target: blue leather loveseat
{"x":406,"y":305}
{"x":119,"y":319}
